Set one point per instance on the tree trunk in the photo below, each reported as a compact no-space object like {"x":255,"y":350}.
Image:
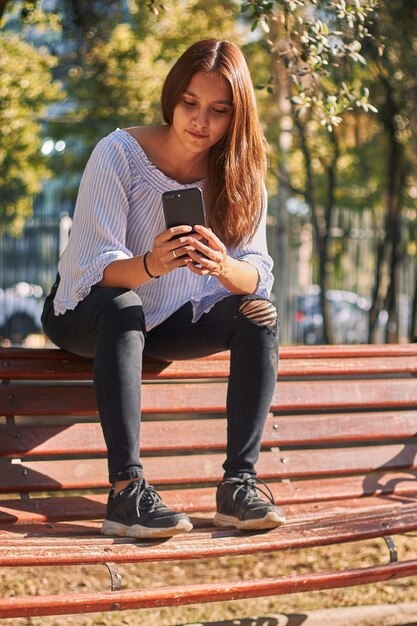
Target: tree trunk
{"x":281,"y":253}
{"x":3,"y":4}
{"x":395,"y":170}
{"x":321,"y":221}
{"x":392,"y":334}
{"x":385,"y":293}
{"x":328,"y":333}
{"x":413,"y":320}
{"x":377,"y":301}
{"x":324,"y":261}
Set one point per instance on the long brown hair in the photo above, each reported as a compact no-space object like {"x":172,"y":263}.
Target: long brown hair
{"x":237,"y":163}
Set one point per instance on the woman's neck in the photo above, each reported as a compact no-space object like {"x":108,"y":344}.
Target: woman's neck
{"x":167,"y":154}
{"x":186,"y":167}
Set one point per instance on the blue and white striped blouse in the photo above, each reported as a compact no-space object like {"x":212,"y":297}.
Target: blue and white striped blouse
{"x":118,"y":215}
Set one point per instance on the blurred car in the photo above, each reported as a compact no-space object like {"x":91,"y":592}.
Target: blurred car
{"x":349,"y":313}
{"x":20,"y":311}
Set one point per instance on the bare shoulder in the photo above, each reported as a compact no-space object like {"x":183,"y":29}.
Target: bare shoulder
{"x":146,"y":136}
{"x":152,"y":141}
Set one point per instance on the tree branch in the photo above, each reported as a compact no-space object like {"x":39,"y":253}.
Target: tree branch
{"x":2,"y":7}
{"x":297,"y":192}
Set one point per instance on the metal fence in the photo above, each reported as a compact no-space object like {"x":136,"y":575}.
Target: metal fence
{"x":28,"y":268}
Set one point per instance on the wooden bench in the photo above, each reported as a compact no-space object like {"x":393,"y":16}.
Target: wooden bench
{"x":339,"y":452}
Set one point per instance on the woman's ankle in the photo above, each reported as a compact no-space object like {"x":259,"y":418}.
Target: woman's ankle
{"x":119,"y":485}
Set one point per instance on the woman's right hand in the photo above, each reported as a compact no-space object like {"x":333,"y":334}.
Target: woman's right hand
{"x":167,"y":253}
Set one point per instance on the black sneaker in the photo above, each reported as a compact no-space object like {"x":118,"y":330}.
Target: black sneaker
{"x":138,"y":511}
{"x":239,"y":505}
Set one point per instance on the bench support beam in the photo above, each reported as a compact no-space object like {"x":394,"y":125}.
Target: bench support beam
{"x":115,"y":576}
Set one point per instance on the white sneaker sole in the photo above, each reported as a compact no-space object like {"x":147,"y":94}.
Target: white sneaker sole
{"x":271,"y":520}
{"x":115,"y":529}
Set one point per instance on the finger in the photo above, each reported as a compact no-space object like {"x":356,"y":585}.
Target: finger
{"x":170,"y":233}
{"x":208,"y":234}
{"x":196,"y":269}
{"x":182,"y":242}
{"x":201,"y":260}
{"x":170,"y":261}
{"x":179,"y":252}
{"x":213,"y":255}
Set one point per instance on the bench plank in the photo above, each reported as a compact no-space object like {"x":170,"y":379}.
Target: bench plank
{"x":65,"y":369}
{"x":39,"y":535}
{"x":210,"y":397}
{"x":209,"y":592}
{"x":202,"y":499}
{"x":92,"y":473}
{"x":342,"y":351}
{"x":211,"y":542}
{"x":47,"y":364}
{"x":208,"y":434}
{"x":286,"y":352}
{"x":196,"y":594}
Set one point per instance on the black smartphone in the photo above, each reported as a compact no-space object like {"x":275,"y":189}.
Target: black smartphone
{"x":183,"y":207}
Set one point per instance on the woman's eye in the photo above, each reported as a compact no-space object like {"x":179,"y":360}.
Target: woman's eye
{"x":189,"y":102}
{"x":220,"y":111}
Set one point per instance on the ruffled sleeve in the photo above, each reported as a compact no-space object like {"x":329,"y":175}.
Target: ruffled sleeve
{"x":98,"y":234}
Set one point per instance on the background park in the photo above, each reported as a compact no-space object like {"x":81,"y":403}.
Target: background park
{"x":336,"y":87}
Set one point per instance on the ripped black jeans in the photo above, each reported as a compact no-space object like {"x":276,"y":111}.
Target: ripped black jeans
{"x":109,"y":325}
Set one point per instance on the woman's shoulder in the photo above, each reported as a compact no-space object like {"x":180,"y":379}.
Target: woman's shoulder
{"x":123,"y":139}
{"x":145,"y":147}
{"x":144,"y":135}
{"x":149,"y":139}
{"x":126,"y":146}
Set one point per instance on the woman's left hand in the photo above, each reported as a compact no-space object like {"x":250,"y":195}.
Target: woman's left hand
{"x":211,"y":258}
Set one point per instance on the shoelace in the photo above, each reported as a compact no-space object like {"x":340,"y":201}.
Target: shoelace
{"x":148,"y":497}
{"x":250,"y":485}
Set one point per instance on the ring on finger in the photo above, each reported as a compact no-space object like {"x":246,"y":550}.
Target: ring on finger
{"x":175,"y":254}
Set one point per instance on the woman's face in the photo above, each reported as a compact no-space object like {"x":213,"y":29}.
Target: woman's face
{"x":204,"y":111}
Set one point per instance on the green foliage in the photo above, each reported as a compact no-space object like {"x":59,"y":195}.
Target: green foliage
{"x":78,"y":21}
{"x":112,"y":59}
{"x":391,"y":78}
{"x":116,"y":82}
{"x":26,"y":89}
{"x":348,"y":156}
{"x":313,"y":39}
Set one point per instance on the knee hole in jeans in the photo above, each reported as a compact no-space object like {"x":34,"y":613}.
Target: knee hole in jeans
{"x":261,"y":312}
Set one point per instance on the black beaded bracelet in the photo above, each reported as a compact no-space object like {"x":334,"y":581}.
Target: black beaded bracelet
{"x":145,"y":265}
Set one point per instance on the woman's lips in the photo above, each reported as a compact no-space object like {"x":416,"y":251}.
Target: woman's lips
{"x":197,"y":135}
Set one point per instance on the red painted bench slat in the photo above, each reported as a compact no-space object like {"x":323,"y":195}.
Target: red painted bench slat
{"x":210,"y":397}
{"x":187,"y":435}
{"x":286,"y":352}
{"x":209,"y":592}
{"x":211,"y":368}
{"x":26,"y":532}
{"x":193,"y":469}
{"x":202,"y":499}
{"x":211,"y":542}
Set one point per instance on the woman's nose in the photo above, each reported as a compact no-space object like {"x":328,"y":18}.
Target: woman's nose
{"x":200,"y":119}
